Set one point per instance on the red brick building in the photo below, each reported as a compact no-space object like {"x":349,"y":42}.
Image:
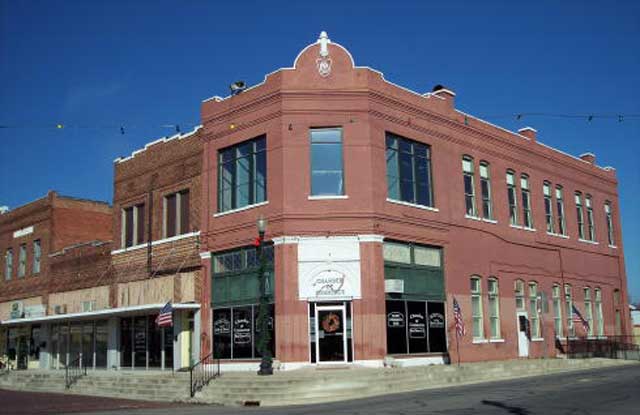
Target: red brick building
{"x":383,"y":205}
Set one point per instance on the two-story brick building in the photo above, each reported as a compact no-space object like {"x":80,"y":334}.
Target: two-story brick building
{"x":383,"y":205}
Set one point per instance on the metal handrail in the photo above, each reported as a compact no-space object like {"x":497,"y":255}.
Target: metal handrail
{"x":203,"y":372}
{"x":74,"y":371}
{"x":612,"y":347}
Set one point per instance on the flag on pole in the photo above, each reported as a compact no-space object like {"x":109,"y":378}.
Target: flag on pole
{"x":457,"y":316}
{"x":165,"y":318}
{"x":577,"y":318}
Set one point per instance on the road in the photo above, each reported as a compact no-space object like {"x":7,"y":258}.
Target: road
{"x":601,"y":391}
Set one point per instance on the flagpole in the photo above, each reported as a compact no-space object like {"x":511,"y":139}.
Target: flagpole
{"x":458,"y":347}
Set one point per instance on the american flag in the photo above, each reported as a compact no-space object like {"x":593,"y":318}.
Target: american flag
{"x":457,"y":316}
{"x":165,"y":318}
{"x":577,"y":318}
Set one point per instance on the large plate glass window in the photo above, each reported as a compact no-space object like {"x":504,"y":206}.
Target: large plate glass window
{"x":327,"y":176}
{"x":242,"y":174}
{"x":408,"y":171}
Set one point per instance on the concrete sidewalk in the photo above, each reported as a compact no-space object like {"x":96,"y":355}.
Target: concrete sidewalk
{"x":307,"y":386}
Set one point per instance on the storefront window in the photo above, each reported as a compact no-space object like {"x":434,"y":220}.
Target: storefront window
{"x":415,"y":327}
{"x":235,"y":332}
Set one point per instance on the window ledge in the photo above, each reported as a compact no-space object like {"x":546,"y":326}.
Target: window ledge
{"x":480,"y":341}
{"x":558,"y":235}
{"x":613,"y":247}
{"x":472,"y":217}
{"x":515,"y":226}
{"x":537,"y":339}
{"x":530,"y":229}
{"x":154,"y":243}
{"x":327,"y":197}
{"x":490,"y":220}
{"x":589,"y":242}
{"x":400,"y":202}
{"x":496,"y":340}
{"x":228,"y":212}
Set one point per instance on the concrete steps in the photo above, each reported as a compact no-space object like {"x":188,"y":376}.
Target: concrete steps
{"x":313,"y":386}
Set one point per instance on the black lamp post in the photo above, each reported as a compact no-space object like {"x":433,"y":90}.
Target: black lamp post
{"x":264,"y":336}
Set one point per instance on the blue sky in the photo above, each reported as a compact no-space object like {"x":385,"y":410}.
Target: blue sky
{"x":94,"y":66}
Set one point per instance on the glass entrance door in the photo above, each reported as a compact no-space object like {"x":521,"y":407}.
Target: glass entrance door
{"x":331,"y":339}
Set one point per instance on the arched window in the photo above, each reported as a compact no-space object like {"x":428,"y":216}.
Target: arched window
{"x":476,"y":307}
{"x":494,"y":307}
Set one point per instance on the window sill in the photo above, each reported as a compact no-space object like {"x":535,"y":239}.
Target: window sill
{"x":480,"y":341}
{"x":229,"y":212}
{"x":400,"y":202}
{"x":496,"y":340}
{"x":529,"y":229}
{"x":328,"y":197}
{"x":154,"y":243}
{"x":589,"y":242}
{"x":511,"y":225}
{"x":613,"y":247}
{"x":537,"y":339}
{"x":557,"y":235}
{"x":490,"y":220}
{"x":472,"y":217}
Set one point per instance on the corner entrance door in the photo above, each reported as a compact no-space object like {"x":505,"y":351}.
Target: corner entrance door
{"x":331,"y":339}
{"x":523,"y":339}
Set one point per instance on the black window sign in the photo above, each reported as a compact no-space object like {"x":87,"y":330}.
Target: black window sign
{"x":242,"y":331}
{"x":417,"y":326}
{"x":436,"y":321}
{"x":395,"y":319}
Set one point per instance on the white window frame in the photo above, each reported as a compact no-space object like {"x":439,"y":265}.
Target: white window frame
{"x":568,"y":302}
{"x":580,"y":215}
{"x":493,"y":302}
{"x":557,"y":309}
{"x":599,"y":315}
{"x":591,"y":225}
{"x":534,"y":316}
{"x":468,"y":171}
{"x":608,"y":211}
{"x":511,"y":188}
{"x":518,"y":288}
{"x":476,"y":294}
{"x":485,"y":177}
{"x":588,"y":310}
{"x":527,"y":213}
{"x":562,"y":224}
{"x":548,"y":207}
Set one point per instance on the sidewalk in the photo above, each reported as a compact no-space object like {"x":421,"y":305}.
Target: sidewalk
{"x":307,"y":386}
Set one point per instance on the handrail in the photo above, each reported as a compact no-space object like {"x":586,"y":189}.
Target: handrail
{"x":612,"y":347}
{"x":203,"y":372}
{"x":74,"y":371}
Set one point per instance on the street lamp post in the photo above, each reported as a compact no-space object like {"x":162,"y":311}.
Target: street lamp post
{"x":264,"y":336}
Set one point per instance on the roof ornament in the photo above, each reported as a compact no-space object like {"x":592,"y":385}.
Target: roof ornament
{"x":324,"y":61}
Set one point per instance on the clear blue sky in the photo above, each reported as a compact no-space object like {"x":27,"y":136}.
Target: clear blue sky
{"x":97,"y":65}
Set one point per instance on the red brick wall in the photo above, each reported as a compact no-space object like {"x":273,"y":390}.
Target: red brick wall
{"x":359,"y":100}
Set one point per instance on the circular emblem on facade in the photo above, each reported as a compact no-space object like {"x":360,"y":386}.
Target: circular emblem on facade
{"x":331,"y":323}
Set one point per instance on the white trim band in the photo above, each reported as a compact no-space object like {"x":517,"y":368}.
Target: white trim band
{"x":157,"y":242}
{"x":228,"y":212}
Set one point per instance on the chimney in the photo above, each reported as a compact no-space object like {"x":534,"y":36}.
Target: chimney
{"x":4,"y":209}
{"x":447,"y":94}
{"x":588,"y":157}
{"x":528,"y":132}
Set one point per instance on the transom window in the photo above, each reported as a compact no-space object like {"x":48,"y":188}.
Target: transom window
{"x":469,"y":186}
{"x":409,"y":171}
{"x":327,"y":176}
{"x":242,"y":174}
{"x":485,"y":188}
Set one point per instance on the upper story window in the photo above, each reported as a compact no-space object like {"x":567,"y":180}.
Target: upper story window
{"x":548,"y":207}
{"x":591,"y":226}
{"x":609,"y":217}
{"x":527,"y":218}
{"x":133,"y":225}
{"x":37,"y":254}
{"x":327,"y":175}
{"x":8,"y":264}
{"x":409,"y":171}
{"x":476,"y":308}
{"x":512,"y":198}
{"x":176,"y":214}
{"x":562,"y":229}
{"x":580,"y":215}
{"x":242,"y":175}
{"x":485,"y":188}
{"x":22,"y":261}
{"x":241,"y":260}
{"x":469,"y":186}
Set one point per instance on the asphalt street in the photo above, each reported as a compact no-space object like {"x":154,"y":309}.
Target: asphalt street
{"x":601,"y":391}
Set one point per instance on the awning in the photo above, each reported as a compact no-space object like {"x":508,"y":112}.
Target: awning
{"x":107,"y":312}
